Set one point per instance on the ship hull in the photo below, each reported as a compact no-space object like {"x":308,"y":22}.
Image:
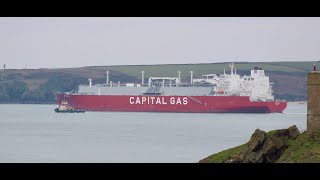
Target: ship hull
{"x":183,"y":104}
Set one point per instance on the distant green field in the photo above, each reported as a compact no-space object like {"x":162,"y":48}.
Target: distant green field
{"x":40,"y":85}
{"x":199,"y":69}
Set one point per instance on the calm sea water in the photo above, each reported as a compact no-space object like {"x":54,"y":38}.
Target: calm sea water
{"x":34,"y":133}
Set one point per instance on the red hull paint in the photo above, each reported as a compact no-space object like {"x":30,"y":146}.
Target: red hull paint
{"x":194,"y":104}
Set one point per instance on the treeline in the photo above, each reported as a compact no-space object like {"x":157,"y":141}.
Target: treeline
{"x":12,"y":91}
{"x":15,"y":91}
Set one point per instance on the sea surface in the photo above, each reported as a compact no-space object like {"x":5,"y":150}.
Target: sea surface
{"x":35,"y":133}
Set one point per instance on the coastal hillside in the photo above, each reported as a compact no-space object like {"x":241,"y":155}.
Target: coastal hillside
{"x":278,"y":146}
{"x":40,"y":85}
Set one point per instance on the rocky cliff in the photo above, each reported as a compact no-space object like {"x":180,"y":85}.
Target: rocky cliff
{"x":284,"y":145}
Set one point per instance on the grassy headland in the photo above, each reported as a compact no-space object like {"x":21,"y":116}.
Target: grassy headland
{"x":305,"y":148}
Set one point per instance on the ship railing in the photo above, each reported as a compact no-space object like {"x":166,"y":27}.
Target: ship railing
{"x":154,"y":90}
{"x":113,"y":85}
{"x":226,"y":93}
{"x":281,"y":100}
{"x":263,"y":100}
{"x":85,"y":93}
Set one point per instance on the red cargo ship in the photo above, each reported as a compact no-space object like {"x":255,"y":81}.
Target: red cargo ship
{"x":226,"y":93}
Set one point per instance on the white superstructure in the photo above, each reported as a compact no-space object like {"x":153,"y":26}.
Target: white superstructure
{"x":256,"y":86}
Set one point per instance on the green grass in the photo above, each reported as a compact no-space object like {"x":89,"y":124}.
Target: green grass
{"x":199,"y":69}
{"x":304,"y":149}
{"x":224,"y":155}
{"x":170,"y":70}
{"x":220,"y":157}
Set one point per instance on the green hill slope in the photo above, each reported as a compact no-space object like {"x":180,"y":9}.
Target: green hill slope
{"x":40,"y":85}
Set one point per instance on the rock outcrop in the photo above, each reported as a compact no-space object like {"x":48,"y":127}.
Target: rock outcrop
{"x":264,"y":148}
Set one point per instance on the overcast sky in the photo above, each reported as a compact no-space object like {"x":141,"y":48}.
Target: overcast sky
{"x":75,"y":42}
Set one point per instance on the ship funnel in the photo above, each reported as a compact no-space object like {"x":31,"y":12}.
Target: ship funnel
{"x":142,"y":77}
{"x":107,"y":82}
{"x":191,"y":77}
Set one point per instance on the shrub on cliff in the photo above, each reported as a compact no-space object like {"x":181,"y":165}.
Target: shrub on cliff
{"x":12,"y":90}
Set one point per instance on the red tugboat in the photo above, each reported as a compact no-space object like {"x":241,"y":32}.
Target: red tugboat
{"x":226,"y":93}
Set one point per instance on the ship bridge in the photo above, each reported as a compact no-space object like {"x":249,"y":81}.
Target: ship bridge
{"x":257,"y":85}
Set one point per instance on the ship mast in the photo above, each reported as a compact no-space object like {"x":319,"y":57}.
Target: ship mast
{"x":107,"y":82}
{"x":179,"y":77}
{"x":142,"y":77}
{"x":90,"y":82}
{"x":231,"y":66}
